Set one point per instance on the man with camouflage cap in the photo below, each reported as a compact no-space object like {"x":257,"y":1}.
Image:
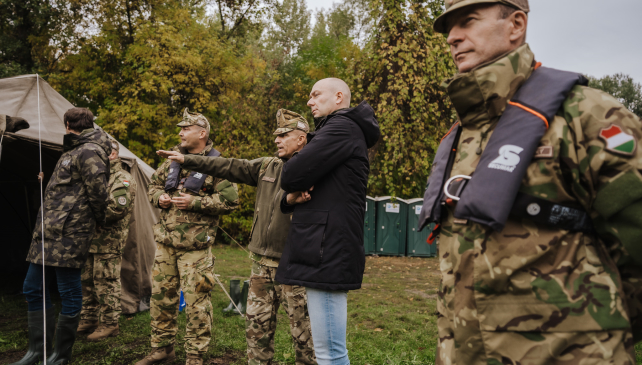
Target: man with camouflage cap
{"x":552,"y":284}
{"x":267,"y":239}
{"x":190,"y":203}
{"x":101,"y":275}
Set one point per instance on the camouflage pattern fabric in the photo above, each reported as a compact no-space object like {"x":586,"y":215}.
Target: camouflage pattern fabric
{"x":193,"y":271}
{"x":453,"y":5}
{"x":122,"y":191}
{"x":194,"y":119}
{"x":264,"y":297}
{"x":530,"y":294}
{"x":287,"y":121}
{"x":101,"y":288}
{"x":75,"y":201}
{"x":194,"y":228}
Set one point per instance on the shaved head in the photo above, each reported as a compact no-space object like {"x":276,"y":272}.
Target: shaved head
{"x":329,"y":95}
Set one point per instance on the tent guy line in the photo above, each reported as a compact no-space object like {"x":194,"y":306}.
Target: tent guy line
{"x":42,"y":227}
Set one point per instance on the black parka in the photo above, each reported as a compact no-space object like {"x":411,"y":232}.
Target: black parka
{"x":324,"y":249}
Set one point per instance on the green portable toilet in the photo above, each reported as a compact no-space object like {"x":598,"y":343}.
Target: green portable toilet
{"x":369,"y":226}
{"x":416,"y":241}
{"x":390,"y":236}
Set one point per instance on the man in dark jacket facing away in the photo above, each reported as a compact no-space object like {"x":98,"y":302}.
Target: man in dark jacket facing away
{"x":325,"y":187}
{"x":267,"y":238}
{"x":74,"y":203}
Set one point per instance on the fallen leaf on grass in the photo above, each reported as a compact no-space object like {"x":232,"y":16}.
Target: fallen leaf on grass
{"x":378,"y":330}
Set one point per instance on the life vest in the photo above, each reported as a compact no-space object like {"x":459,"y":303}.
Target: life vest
{"x":194,"y":181}
{"x":492,"y":194}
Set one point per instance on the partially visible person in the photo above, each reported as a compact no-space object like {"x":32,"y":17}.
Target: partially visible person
{"x":75,"y":201}
{"x":267,"y":239}
{"x":538,"y":193}
{"x":101,"y":275}
{"x":190,"y":204}
{"x":325,"y":189}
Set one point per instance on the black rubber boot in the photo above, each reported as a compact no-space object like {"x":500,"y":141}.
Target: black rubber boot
{"x":65,"y":338}
{"x":243,"y":300}
{"x":35,"y":351}
{"x":235,"y":293}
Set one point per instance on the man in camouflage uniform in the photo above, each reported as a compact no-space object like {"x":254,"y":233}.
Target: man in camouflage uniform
{"x":531,"y":294}
{"x":101,"y":274}
{"x":267,"y":240}
{"x":191,"y":204}
{"x":74,"y":204}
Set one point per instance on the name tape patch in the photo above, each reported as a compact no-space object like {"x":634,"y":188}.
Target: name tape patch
{"x":268,"y":179}
{"x":544,"y":152}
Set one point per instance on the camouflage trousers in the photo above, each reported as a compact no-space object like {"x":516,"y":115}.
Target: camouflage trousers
{"x":101,"y":288}
{"x":263,"y":301}
{"x":193,"y":271}
{"x":468,"y":345}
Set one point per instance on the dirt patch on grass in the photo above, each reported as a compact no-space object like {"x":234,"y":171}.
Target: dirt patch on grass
{"x":11,"y":356}
{"x":228,"y":358}
{"x":421,"y":294}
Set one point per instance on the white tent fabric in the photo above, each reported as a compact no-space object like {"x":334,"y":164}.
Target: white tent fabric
{"x":19,"y":98}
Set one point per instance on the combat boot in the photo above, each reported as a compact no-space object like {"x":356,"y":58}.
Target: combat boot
{"x":159,"y":355}
{"x":243,"y":300}
{"x":86,"y":326}
{"x":104,"y":331}
{"x":235,"y":294}
{"x":194,"y":360}
{"x":35,"y":351}
{"x":65,"y":338}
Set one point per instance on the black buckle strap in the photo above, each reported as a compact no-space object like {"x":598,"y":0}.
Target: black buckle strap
{"x":552,"y":215}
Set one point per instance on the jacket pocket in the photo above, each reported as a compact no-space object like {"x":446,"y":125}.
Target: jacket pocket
{"x":308,"y":231}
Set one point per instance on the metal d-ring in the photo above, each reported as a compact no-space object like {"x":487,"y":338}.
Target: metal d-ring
{"x":450,"y":181}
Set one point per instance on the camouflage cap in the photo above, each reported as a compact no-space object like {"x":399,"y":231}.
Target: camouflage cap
{"x":452,"y":5}
{"x":287,"y":121}
{"x":194,"y":119}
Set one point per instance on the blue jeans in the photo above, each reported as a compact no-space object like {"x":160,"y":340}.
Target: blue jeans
{"x":69,"y":288}
{"x":328,"y":319}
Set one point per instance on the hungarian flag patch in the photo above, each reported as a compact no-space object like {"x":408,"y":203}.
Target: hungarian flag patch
{"x":126,"y":183}
{"x":617,"y":141}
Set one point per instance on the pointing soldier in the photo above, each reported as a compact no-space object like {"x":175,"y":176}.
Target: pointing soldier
{"x":101,"y":274}
{"x":191,"y":203}
{"x":269,"y":231}
{"x":537,"y":191}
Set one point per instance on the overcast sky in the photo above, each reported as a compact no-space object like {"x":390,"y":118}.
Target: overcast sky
{"x":594,"y":37}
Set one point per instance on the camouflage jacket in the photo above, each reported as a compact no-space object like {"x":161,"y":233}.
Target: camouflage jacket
{"x":122,"y":191}
{"x":529,"y":278}
{"x":74,"y":201}
{"x":270,"y":227}
{"x":194,"y":228}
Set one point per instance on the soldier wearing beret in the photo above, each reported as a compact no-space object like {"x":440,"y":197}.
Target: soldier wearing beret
{"x":101,"y":275}
{"x":190,"y":203}
{"x":269,"y":232}
{"x":556,"y":283}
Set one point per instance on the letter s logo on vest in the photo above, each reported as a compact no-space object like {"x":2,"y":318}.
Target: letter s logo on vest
{"x":508,"y":158}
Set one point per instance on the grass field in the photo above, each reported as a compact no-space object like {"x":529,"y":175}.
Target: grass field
{"x":391,"y":321}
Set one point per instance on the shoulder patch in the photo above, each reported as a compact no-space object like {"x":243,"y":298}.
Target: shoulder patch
{"x":122,"y":200}
{"x":617,"y":141}
{"x":126,"y":183}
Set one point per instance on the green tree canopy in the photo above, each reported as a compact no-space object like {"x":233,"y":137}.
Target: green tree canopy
{"x":623,"y":88}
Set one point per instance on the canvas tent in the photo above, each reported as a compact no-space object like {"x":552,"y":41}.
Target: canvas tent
{"x":20,"y":190}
